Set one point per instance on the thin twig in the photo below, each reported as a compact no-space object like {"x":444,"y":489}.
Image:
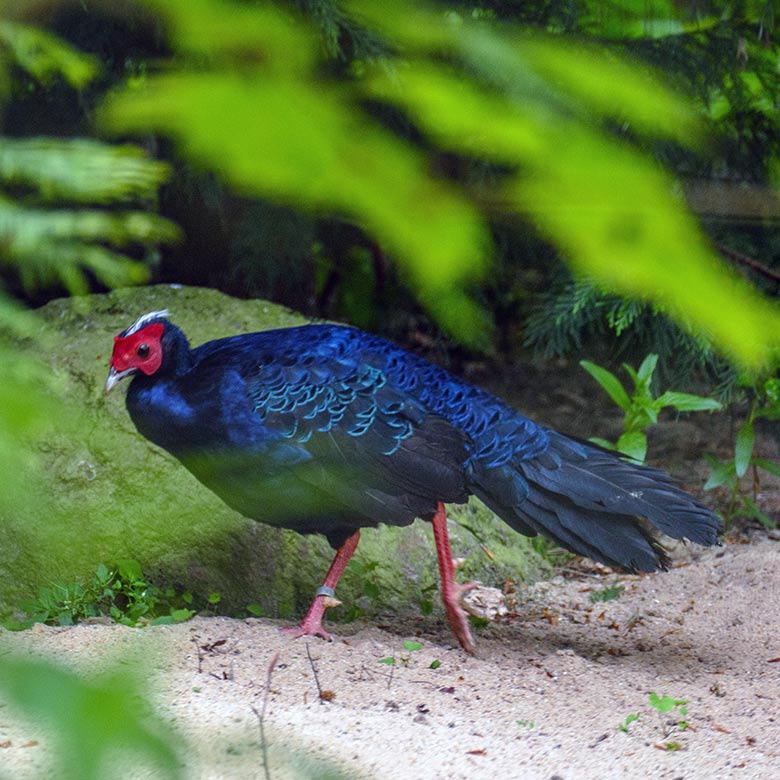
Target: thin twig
{"x":749,"y":262}
{"x":316,"y":676}
{"x":261,"y":715}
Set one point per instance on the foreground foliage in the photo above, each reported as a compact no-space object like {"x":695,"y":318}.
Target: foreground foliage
{"x":534,"y":108}
{"x":92,"y":725}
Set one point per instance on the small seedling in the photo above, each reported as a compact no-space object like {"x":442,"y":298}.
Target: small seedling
{"x":411,"y":647}
{"x":435,"y":664}
{"x":213,"y":602}
{"x":665,"y":705}
{"x":628,"y":721}
{"x":526,"y":724}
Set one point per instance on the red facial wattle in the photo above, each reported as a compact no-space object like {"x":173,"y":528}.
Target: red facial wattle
{"x":141,"y":350}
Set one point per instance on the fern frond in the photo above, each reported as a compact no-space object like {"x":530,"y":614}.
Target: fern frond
{"x":44,"y":56}
{"x":79,"y":170}
{"x":61,"y":245}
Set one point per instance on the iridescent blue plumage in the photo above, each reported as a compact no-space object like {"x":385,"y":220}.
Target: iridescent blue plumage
{"x":328,"y":429}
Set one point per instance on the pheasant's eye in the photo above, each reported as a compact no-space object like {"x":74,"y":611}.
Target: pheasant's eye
{"x":142,"y":350}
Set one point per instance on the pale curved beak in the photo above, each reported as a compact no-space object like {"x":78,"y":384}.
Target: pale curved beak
{"x":114,"y":376}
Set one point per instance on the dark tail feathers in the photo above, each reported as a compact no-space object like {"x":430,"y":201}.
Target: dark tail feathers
{"x":595,"y":504}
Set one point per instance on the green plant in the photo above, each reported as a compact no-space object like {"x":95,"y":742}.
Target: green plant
{"x":627,"y":722}
{"x":664,"y":705}
{"x":119,"y":592}
{"x":641,"y":408}
{"x":411,"y":647}
{"x":730,"y":473}
{"x":213,"y":602}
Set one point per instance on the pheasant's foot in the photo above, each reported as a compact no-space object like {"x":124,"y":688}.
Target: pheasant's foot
{"x":311,"y":625}
{"x":456,"y":615}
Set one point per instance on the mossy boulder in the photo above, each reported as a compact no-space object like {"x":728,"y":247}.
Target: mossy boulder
{"x":114,"y":495}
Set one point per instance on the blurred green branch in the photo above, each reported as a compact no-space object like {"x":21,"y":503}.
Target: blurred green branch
{"x":566,"y":126}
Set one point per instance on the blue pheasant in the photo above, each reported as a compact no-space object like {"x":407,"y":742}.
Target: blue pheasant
{"x":328,"y":429}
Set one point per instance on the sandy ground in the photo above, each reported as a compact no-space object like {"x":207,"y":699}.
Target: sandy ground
{"x":543,"y":699}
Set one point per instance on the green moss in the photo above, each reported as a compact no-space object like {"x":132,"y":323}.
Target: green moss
{"x":114,"y":495}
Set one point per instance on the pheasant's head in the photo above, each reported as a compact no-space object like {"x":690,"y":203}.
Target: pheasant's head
{"x":138,"y":348}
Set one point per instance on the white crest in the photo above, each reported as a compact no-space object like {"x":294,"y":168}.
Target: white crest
{"x":144,"y":320}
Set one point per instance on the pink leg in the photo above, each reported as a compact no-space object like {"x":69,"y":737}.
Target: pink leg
{"x":451,"y":591}
{"x":312,"y":623}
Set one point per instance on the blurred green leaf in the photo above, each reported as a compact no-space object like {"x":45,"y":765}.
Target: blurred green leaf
{"x":613,"y":86}
{"x":79,"y":169}
{"x":616,"y":217}
{"x":253,"y":33}
{"x":318,"y":155}
{"x":57,"y":245}
{"x":257,"y":110}
{"x":93,"y":725}
{"x":45,"y":56}
{"x":453,"y":111}
{"x":612,"y":211}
